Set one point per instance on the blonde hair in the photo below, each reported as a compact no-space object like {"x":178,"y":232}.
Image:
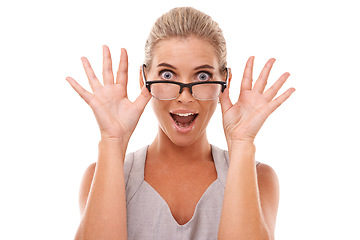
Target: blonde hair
{"x":184,"y":22}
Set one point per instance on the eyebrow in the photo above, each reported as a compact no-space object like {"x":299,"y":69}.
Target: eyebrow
{"x":166,"y":65}
{"x":204,"y":66}
{"x":197,"y":68}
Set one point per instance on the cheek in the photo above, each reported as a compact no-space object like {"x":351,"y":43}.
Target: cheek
{"x":210,"y":109}
{"x":154,"y":106}
{"x":158,"y":108}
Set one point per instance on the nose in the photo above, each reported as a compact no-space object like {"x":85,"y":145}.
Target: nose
{"x":185,"y":96}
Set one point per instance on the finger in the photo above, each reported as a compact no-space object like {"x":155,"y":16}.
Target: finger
{"x":282,"y":98}
{"x":246,"y":83}
{"x":122,"y":74}
{"x":108,"y":75}
{"x":225,"y":101}
{"x":80,"y":90}
{"x":274,"y":89}
{"x":142,"y":99}
{"x":93,"y":81}
{"x":262,"y":80}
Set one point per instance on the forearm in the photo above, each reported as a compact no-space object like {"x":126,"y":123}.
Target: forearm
{"x":105,"y":212}
{"x":241,"y":216}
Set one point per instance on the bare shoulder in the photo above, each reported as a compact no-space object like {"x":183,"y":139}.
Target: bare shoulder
{"x":266,"y":174}
{"x":85,"y":186}
{"x":268,"y":184}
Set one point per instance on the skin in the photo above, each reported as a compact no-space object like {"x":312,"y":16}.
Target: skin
{"x":251,"y":193}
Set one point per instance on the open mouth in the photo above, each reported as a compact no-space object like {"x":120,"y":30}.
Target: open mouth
{"x":183,"y":120}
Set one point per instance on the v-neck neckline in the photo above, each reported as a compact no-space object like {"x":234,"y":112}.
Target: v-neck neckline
{"x":168,"y":208}
{"x":214,"y":157}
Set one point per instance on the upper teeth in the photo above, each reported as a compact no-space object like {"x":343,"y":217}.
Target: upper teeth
{"x":184,"y":114}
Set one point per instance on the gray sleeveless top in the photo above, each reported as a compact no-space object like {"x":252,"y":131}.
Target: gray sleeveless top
{"x":148,"y":215}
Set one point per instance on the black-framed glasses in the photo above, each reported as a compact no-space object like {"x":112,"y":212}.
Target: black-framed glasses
{"x":169,"y":90}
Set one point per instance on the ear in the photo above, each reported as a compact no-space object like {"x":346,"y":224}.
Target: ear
{"x":141,"y":80}
{"x":230,"y":77}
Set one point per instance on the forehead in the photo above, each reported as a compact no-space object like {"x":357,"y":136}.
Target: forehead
{"x":185,"y":53}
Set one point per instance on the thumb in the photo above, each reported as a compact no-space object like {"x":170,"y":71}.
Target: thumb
{"x":142,"y":100}
{"x":225,"y":101}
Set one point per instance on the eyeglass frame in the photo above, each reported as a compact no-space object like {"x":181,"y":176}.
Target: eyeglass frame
{"x":184,"y":85}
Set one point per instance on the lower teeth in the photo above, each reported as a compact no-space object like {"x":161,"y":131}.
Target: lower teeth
{"x":183,"y":125}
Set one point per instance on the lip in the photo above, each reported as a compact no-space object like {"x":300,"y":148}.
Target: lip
{"x":185,"y":129}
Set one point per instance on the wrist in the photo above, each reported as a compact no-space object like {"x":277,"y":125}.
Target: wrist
{"x":116,"y":143}
{"x":240,"y":144}
{"x":115,"y":138}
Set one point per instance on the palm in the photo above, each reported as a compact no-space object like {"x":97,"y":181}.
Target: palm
{"x":243,"y":120}
{"x":116,"y":115}
{"x":113,"y":112}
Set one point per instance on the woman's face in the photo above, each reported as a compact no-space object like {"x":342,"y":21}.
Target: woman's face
{"x":184,"y":119}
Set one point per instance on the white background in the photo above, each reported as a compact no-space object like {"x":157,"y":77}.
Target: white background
{"x":49,"y":135}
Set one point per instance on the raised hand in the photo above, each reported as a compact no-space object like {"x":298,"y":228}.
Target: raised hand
{"x":116,"y":115}
{"x":243,"y":120}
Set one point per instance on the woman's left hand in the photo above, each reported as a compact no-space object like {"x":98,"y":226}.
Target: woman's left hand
{"x":243,"y":120}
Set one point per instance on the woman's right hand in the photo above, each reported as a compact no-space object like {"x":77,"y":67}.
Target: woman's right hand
{"x":116,"y":115}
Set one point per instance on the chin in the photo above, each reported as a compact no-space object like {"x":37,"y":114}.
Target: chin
{"x":183,"y":140}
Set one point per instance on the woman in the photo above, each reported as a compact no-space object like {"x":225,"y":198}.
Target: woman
{"x":180,"y":186}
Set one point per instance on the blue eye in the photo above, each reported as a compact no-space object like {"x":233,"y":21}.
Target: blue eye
{"x":166,"y":75}
{"x":204,"y":76}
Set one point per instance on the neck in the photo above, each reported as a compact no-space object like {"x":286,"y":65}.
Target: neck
{"x":166,"y":150}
